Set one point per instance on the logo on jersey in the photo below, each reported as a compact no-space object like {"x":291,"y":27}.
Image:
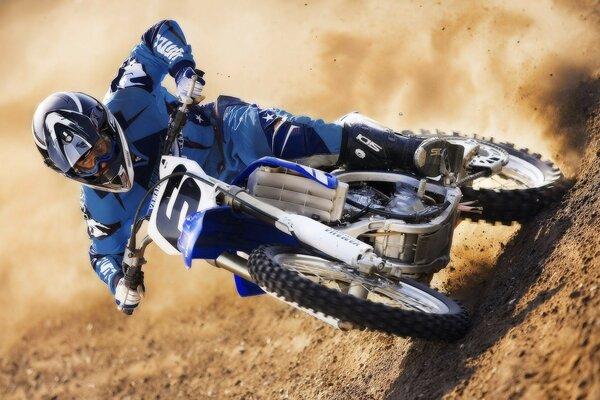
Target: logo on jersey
{"x":132,"y":72}
{"x":97,"y":230}
{"x":371,"y":144}
{"x":167,"y":48}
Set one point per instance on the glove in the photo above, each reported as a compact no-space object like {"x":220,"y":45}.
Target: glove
{"x":127,"y":299}
{"x":184,"y":82}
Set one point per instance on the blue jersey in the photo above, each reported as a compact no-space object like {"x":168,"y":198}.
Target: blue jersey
{"x":223,"y":137}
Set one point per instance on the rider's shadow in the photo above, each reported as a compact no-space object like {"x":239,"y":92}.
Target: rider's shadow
{"x":432,"y":370}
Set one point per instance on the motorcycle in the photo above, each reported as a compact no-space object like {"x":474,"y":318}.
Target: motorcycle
{"x":355,"y":249}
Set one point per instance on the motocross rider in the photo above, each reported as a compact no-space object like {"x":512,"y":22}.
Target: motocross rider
{"x":112,"y":147}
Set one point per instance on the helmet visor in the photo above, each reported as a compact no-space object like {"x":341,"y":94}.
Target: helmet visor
{"x":108,"y":167}
{"x":71,"y":135}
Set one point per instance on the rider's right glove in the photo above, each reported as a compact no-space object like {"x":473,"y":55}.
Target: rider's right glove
{"x":184,"y":80}
{"x":127,"y":299}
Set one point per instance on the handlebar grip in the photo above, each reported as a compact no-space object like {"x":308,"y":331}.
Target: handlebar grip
{"x":191,"y":89}
{"x":128,"y":311}
{"x":133,"y":277}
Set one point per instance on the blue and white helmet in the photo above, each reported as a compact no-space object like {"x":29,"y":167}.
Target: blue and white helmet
{"x":69,"y":127}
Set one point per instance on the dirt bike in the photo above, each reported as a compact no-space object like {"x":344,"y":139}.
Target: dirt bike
{"x":347,"y":247}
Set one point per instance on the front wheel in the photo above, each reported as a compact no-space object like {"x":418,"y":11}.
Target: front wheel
{"x":401,"y":307}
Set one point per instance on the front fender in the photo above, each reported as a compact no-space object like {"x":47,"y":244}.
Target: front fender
{"x":207,"y":234}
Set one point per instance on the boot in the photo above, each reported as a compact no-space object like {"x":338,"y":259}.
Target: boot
{"x":369,"y":145}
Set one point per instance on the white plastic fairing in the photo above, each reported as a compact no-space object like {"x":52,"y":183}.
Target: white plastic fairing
{"x":324,"y":238}
{"x":186,"y":195}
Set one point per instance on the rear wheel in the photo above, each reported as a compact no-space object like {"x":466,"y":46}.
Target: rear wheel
{"x":524,"y":186}
{"x":401,"y":307}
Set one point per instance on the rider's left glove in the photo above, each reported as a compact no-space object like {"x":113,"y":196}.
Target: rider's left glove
{"x":127,"y":299}
{"x":184,"y":79}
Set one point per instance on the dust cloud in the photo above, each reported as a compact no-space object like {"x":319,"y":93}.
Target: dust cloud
{"x":502,"y":69}
{"x":495,"y":68}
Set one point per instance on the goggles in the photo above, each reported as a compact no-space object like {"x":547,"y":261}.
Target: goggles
{"x":90,"y":162}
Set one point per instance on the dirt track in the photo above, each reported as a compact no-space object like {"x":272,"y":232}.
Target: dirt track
{"x":532,"y":290}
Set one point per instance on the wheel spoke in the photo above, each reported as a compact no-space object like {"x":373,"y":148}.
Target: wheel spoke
{"x":380,"y":289}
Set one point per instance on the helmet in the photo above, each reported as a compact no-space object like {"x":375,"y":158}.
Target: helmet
{"x":79,"y":138}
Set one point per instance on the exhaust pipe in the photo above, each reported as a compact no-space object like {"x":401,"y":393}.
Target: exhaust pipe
{"x":234,"y":264}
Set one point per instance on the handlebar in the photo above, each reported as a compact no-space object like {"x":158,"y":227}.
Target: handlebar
{"x":134,"y":257}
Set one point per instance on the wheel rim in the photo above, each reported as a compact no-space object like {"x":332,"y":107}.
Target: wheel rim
{"x":517,"y":174}
{"x":339,"y":276}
